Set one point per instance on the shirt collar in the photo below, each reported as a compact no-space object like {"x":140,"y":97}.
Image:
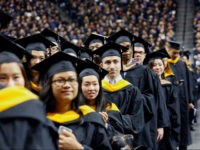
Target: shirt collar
{"x":113,"y":81}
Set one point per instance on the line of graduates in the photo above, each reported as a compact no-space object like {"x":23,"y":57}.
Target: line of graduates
{"x":130,"y":98}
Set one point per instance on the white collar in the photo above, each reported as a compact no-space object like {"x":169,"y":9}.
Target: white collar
{"x":113,"y":81}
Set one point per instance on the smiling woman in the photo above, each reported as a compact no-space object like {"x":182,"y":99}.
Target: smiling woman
{"x":60,"y":94}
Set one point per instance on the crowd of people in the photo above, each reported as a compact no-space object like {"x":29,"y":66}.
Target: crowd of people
{"x":64,"y":87}
{"x":196,"y":24}
{"x":154,"y":21}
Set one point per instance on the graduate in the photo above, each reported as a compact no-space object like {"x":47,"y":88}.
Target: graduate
{"x":119,"y":91}
{"x":181,"y":72}
{"x":22,"y":114}
{"x":36,"y":45}
{"x":185,"y":57}
{"x":60,"y":94}
{"x":142,"y":77}
{"x":85,"y":53}
{"x":70,"y":48}
{"x":54,"y":38}
{"x":171,"y":137}
{"x":117,"y":125}
{"x":93,"y":42}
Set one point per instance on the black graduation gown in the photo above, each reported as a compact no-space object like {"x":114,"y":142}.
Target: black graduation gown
{"x":89,"y":129}
{"x":128,"y":99}
{"x":181,"y":72}
{"x":149,"y":84}
{"x":119,"y":122}
{"x":23,"y":122}
{"x":171,"y":137}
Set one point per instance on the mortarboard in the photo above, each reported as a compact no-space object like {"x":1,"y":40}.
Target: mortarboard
{"x":52,"y":36}
{"x":69,"y":47}
{"x":175,"y":45}
{"x":10,"y":46}
{"x":121,"y":36}
{"x":4,"y":19}
{"x":85,"y":53}
{"x":90,"y":68}
{"x":110,"y":49}
{"x":35,"y":42}
{"x":162,"y":53}
{"x":139,"y":42}
{"x":186,"y":53}
{"x":95,"y":38}
{"x":56,"y":63}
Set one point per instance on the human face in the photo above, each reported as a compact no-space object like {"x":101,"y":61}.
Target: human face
{"x":53,"y":50}
{"x":94,"y":46}
{"x":65,"y":87}
{"x":129,"y":53}
{"x":38,"y":56}
{"x":11,"y":75}
{"x":113,"y":65}
{"x":158,"y":67}
{"x":173,"y":53}
{"x":139,"y":54}
{"x":90,"y":87}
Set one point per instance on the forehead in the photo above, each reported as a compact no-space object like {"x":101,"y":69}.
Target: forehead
{"x":111,"y":58}
{"x":97,"y":43}
{"x":125,"y":43}
{"x":37,"y":53}
{"x":158,"y":60}
{"x":65,"y":74}
{"x":9,"y":67}
{"x":174,"y":50}
{"x":89,"y":78}
{"x":141,"y":49}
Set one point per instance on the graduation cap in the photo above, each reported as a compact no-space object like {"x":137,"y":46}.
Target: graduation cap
{"x":160,"y":54}
{"x":4,"y":19}
{"x":175,"y":45}
{"x":121,"y":36}
{"x":69,"y":47}
{"x":95,"y":38}
{"x":90,"y":68}
{"x":139,"y":42}
{"x":35,"y":42}
{"x":56,"y":63}
{"x":12,"y":47}
{"x":110,"y":49}
{"x":52,"y":36}
{"x":85,"y":53}
{"x":186,"y":53}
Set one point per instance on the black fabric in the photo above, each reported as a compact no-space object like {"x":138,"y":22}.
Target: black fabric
{"x":27,"y":120}
{"x":171,"y":137}
{"x":130,"y":103}
{"x":185,"y":96}
{"x":10,"y":46}
{"x":91,"y":133}
{"x":149,"y":85}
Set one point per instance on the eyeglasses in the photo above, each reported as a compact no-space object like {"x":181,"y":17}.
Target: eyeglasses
{"x":61,"y":82}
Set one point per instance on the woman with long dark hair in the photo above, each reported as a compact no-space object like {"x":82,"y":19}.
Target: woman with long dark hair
{"x":60,"y":94}
{"x":21,"y":113}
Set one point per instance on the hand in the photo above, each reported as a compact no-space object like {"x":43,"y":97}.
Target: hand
{"x":104,"y":116}
{"x":190,"y":106}
{"x":160,"y":134}
{"x":67,"y":140}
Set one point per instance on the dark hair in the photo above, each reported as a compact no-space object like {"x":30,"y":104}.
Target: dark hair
{"x":100,"y":101}
{"x":46,"y":95}
{"x":151,"y":64}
